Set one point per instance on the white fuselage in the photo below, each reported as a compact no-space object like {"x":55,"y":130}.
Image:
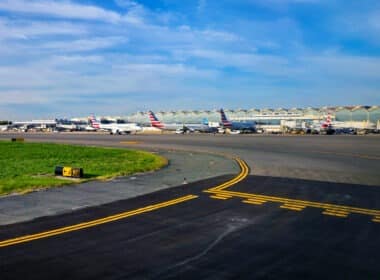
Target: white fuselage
{"x":117,"y":128}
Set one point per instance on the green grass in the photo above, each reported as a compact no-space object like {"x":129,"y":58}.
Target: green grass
{"x":26,"y":166}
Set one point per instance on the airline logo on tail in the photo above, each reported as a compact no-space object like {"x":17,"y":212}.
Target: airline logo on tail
{"x":205,"y":121}
{"x":327,"y":123}
{"x":94,"y":123}
{"x":154,"y":121}
{"x":225,"y":121}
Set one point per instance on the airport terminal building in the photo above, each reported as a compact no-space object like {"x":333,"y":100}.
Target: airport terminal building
{"x":267,"y":120}
{"x":358,"y":115}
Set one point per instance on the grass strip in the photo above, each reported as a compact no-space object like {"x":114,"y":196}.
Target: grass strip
{"x":27,"y":166}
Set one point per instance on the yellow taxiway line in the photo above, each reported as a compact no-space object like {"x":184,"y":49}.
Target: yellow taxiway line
{"x":241,"y":176}
{"x":130,"y":142}
{"x":298,"y":204}
{"x":221,"y":192}
{"x":96,"y":222}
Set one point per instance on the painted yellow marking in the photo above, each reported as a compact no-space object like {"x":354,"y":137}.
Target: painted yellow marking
{"x":254,"y":201}
{"x":293,"y":207}
{"x":223,"y":195}
{"x":93,"y":223}
{"x":241,"y":176}
{"x":288,"y":203}
{"x":130,"y":142}
{"x":220,"y":197}
{"x":339,"y":209}
{"x":335,"y":213}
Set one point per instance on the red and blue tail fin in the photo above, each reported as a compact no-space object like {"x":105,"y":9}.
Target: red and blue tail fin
{"x":327,"y":122}
{"x":94,"y":123}
{"x":154,"y":121}
{"x":225,"y":121}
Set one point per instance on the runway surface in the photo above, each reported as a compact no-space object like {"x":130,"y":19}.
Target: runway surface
{"x":335,"y":158}
{"x":273,"y":224}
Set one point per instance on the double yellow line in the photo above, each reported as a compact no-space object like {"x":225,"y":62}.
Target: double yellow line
{"x":93,"y":223}
{"x":241,"y":176}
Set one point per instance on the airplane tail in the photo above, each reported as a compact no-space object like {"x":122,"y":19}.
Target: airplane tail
{"x":328,"y":120}
{"x":93,"y":122}
{"x":205,"y":121}
{"x":225,"y":121}
{"x":154,"y":121}
{"x":327,"y":123}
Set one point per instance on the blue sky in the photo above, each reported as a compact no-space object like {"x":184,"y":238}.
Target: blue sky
{"x":61,"y":58}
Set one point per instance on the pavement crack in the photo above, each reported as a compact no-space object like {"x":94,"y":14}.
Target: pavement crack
{"x":201,"y":254}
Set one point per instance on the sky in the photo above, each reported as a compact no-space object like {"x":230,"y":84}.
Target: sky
{"x":67,"y":58}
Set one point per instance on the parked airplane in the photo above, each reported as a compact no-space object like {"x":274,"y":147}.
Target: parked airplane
{"x":65,"y":125}
{"x":325,"y":127}
{"x":4,"y":127}
{"x":236,"y":127}
{"x":36,"y":125}
{"x":115,"y":128}
{"x":353,"y":127}
{"x":178,"y":127}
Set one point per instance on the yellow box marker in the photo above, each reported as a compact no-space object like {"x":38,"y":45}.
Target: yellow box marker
{"x":293,"y":207}
{"x":254,"y":201}
{"x":337,"y":213}
{"x":67,"y":171}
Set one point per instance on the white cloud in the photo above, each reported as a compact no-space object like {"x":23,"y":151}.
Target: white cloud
{"x":51,"y":81}
{"x":127,"y":3}
{"x":84,"y":44}
{"x":75,"y":59}
{"x":166,"y":70}
{"x":345,"y":67}
{"x":26,"y":29}
{"x":219,"y":35}
{"x":60,"y":9}
{"x":249,"y":62}
{"x":360,"y":24}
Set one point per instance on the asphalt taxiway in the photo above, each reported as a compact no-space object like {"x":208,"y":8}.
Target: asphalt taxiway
{"x":302,"y":207}
{"x":333,"y":158}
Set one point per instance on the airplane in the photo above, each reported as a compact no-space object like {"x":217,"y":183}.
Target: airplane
{"x":4,"y":127}
{"x":236,"y":127}
{"x":65,"y":125}
{"x":34,"y":125}
{"x":325,"y":127}
{"x":114,"y":128}
{"x":354,"y":127}
{"x":178,"y":127}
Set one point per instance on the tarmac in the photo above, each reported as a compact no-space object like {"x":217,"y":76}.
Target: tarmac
{"x":301,"y":207}
{"x":187,"y":233}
